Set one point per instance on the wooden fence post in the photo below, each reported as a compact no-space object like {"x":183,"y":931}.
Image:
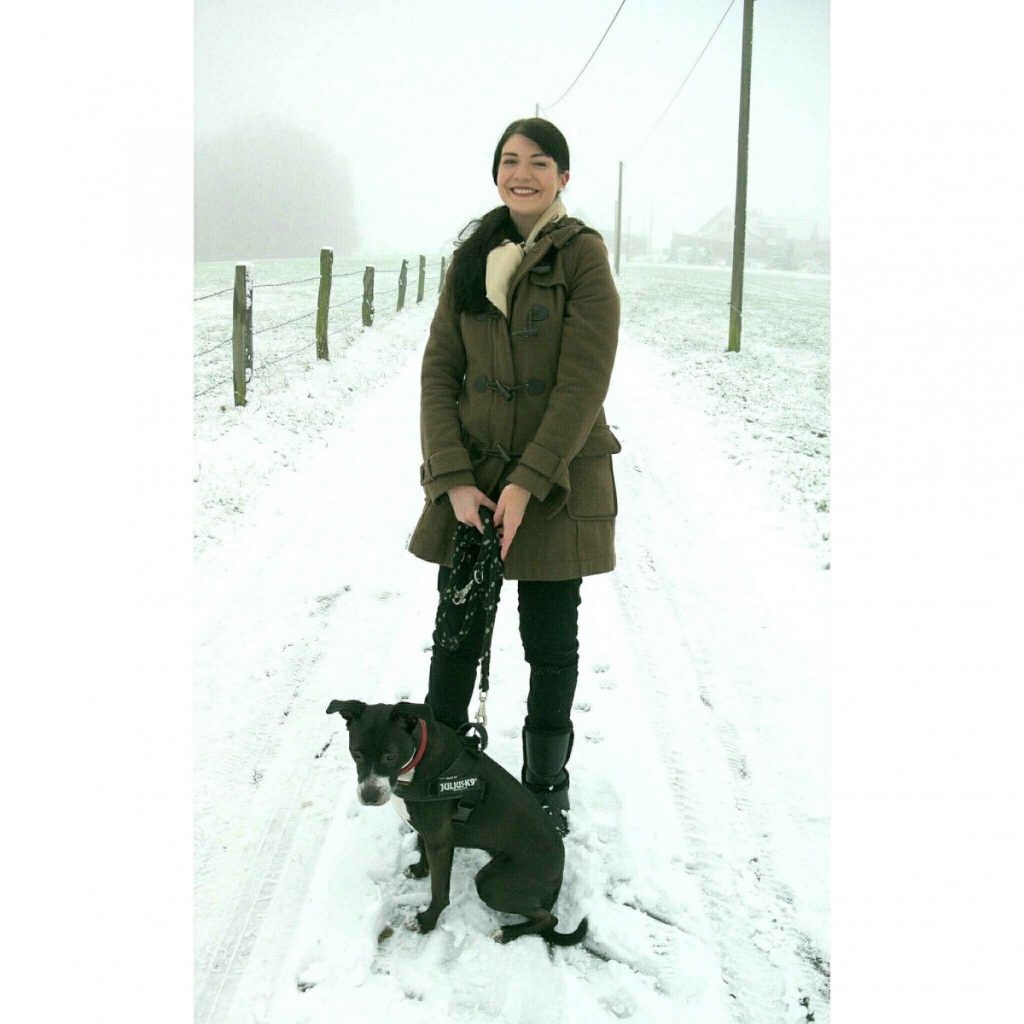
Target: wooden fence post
{"x":403,"y":276}
{"x":241,"y":336}
{"x":368,"y":297}
{"x":323,"y":302}
{"x":422,"y":280}
{"x":440,"y":280}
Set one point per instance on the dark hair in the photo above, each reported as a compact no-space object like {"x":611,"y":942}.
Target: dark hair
{"x":480,"y":236}
{"x":540,"y":132}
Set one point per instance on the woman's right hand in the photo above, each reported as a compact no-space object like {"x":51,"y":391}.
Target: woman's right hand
{"x":466,"y":501}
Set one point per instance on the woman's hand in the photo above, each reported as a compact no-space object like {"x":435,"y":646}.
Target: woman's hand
{"x":512,"y":504}
{"x":466,"y":501}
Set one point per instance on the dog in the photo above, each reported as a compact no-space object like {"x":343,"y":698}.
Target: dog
{"x":454,"y":796}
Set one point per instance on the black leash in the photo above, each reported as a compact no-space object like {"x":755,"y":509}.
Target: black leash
{"x":473,"y":584}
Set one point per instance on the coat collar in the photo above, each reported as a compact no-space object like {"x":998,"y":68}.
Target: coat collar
{"x":554,"y":237}
{"x":503,"y":260}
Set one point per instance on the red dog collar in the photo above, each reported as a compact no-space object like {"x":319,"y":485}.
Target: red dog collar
{"x":418,"y":756}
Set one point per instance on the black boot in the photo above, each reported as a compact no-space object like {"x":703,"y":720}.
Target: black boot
{"x":545,"y":755}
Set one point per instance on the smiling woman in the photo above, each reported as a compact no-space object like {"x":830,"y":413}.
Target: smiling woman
{"x":515,"y":372}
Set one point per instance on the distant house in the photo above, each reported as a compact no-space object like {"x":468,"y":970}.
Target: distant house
{"x":782,"y":242}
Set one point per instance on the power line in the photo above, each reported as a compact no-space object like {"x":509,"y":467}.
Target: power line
{"x":684,"y":81}
{"x":587,"y":173}
{"x":589,"y":59}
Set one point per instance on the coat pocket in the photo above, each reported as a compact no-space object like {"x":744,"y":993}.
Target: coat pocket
{"x":592,"y":493}
{"x":547,"y":274}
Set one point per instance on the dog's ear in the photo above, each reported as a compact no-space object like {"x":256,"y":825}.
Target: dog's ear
{"x":348,"y":709}
{"x":407,"y":715}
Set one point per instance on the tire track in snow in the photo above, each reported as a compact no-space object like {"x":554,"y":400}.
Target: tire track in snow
{"x":221,"y":972}
{"x":299,"y":564}
{"x":770,"y":964}
{"x":759,"y":940}
{"x":254,"y":674}
{"x":238,"y":884}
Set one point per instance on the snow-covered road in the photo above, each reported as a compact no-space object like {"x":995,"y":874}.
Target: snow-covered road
{"x":699,"y":848}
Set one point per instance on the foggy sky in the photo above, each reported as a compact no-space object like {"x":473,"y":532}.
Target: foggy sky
{"x":271,"y":189}
{"x":411,"y":97}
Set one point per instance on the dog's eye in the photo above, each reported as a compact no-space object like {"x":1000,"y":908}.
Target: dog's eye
{"x":357,"y":755}
{"x":390,"y":758}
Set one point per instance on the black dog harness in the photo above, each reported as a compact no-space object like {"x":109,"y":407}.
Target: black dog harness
{"x":459,"y":781}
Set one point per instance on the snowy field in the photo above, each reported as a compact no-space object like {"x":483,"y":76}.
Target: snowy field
{"x":699,"y":843}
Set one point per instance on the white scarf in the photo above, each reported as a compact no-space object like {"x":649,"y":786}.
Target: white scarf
{"x":503,"y":260}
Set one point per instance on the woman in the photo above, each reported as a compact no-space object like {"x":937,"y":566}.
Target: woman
{"x":515,"y":372}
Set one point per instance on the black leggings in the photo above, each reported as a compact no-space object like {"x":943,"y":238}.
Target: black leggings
{"x":548,"y":628}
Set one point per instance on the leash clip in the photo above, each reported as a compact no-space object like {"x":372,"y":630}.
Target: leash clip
{"x":474,"y":735}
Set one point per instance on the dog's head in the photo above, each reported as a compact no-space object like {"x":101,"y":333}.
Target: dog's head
{"x":381,"y":741}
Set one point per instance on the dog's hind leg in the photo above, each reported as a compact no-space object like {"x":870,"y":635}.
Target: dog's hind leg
{"x":508,"y":890}
{"x":487,"y":879}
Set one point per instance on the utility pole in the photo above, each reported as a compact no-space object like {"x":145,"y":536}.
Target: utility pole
{"x":650,"y":233}
{"x":739,"y":236}
{"x":536,"y":110}
{"x":618,"y":221}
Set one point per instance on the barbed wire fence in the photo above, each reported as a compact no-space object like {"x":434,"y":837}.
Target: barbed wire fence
{"x":243,"y":367}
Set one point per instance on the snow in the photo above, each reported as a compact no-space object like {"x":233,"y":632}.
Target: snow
{"x":699,"y":842}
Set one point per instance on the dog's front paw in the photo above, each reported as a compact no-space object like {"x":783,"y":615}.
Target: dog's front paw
{"x":498,"y":935}
{"x":425,"y":922}
{"x":418,"y":870}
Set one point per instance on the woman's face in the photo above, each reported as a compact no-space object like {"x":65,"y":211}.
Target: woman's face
{"x":528,"y":181}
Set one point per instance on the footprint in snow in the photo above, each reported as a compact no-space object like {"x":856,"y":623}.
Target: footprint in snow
{"x":311,"y":976}
{"x":620,"y":1003}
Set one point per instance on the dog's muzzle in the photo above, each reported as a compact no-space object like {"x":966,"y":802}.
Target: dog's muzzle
{"x":374,"y":791}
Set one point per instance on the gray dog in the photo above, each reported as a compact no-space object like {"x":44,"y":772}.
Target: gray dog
{"x":454,"y":796}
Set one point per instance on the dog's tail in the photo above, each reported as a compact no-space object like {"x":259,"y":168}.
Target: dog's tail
{"x":558,"y":939}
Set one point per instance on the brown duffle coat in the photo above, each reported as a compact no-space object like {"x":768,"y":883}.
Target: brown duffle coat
{"x":520,"y":400}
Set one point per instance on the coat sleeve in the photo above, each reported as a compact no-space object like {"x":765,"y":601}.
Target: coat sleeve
{"x":446,"y":462}
{"x":590,"y":334}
